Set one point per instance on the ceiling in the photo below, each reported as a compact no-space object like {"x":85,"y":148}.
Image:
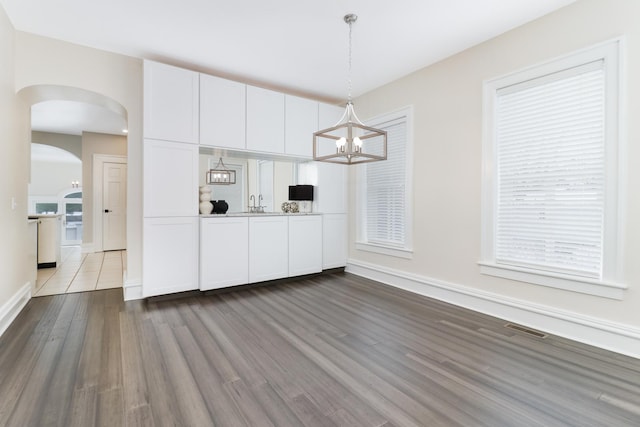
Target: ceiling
{"x":292,"y":45}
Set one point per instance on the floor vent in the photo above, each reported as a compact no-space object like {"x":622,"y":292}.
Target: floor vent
{"x":531,"y":332}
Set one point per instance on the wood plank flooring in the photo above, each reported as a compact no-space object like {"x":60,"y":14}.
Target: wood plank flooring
{"x":329,"y":350}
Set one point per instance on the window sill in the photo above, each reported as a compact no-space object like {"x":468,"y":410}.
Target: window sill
{"x":555,"y":280}
{"x":385,"y":250}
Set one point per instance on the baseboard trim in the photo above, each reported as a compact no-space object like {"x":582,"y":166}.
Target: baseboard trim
{"x":132,"y":289}
{"x":87,"y":248}
{"x":10,"y":310}
{"x":611,"y":336}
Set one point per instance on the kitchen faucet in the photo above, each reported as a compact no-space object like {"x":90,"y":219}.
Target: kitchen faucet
{"x":260,"y":207}
{"x":252,"y":208}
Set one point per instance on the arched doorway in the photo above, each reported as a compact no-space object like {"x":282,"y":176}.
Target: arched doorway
{"x":76,"y":205}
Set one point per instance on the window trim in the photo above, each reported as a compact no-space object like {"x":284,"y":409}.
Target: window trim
{"x":405,"y":251}
{"x":610,"y":284}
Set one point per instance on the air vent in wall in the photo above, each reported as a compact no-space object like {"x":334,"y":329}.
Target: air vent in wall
{"x":531,"y":332}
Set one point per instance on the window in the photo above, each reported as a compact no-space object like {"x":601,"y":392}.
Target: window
{"x":550,"y":188}
{"x":384,"y":191}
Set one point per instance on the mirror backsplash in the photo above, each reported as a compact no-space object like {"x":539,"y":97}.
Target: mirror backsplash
{"x":258,"y":177}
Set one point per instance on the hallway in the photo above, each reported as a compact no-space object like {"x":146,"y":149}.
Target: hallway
{"x":80,"y":272}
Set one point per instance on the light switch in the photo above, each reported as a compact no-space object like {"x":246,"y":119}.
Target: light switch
{"x":13,"y":204}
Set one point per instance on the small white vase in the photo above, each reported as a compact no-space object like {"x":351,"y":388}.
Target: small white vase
{"x":205,"y":200}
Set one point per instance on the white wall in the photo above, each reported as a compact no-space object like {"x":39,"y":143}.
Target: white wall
{"x":14,"y":176}
{"x":44,"y":61}
{"x":447,"y":98}
{"x":48,"y":179}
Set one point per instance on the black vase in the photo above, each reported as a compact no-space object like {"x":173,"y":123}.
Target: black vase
{"x":220,"y":207}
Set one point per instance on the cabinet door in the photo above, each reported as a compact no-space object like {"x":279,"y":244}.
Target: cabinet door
{"x":171,"y":98}
{"x":301,"y":121}
{"x":305,"y":244}
{"x":334,"y":241}
{"x":328,"y":116}
{"x":331,"y":184}
{"x":224,"y":252}
{"x":170,"y":179}
{"x":169,"y":256}
{"x":268,"y":253}
{"x":265,"y":120}
{"x":222,"y":112}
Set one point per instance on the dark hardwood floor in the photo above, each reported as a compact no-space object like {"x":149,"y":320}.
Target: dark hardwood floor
{"x":330,"y":350}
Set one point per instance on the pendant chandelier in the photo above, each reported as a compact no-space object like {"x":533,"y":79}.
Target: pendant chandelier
{"x":350,"y":141}
{"x":220,"y":175}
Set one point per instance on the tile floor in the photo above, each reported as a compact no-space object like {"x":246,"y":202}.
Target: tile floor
{"x":80,"y":272}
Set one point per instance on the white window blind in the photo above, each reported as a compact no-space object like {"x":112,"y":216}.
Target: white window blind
{"x":550,"y":158}
{"x":386,"y":189}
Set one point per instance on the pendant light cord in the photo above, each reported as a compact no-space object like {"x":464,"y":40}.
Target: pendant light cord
{"x":350,"y":19}
{"x":350,"y":84}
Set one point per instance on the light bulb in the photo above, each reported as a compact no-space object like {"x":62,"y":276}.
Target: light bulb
{"x":357,"y":142}
{"x":341,"y":142}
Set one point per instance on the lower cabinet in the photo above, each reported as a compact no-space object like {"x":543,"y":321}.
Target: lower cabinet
{"x":305,"y":245}
{"x":240,"y":250}
{"x":268,"y":248}
{"x":224,"y":252}
{"x":170,"y":255}
{"x":334,"y":241}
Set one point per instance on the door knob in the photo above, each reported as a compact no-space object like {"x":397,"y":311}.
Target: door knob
{"x":107,"y":211}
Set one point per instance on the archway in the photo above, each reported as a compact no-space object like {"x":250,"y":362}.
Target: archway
{"x":36,"y":95}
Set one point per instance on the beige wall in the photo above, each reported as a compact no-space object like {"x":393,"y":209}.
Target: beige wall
{"x":14,"y":172}
{"x":70,"y":143}
{"x":44,"y":61}
{"x":95,"y":143}
{"x":447,"y":100}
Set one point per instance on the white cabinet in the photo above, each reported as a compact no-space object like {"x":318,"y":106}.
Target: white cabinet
{"x":170,"y":255}
{"x":268,"y":248}
{"x":170,"y":179}
{"x":171,"y":103}
{"x":224,"y":252}
{"x":305,"y":245}
{"x":48,"y":252}
{"x":334,"y":241}
{"x":222,"y":112}
{"x":328,"y":116}
{"x":330,"y":185}
{"x":301,"y":121}
{"x":265,"y":120}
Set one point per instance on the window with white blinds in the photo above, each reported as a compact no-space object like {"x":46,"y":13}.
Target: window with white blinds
{"x":551,"y":174}
{"x":551,"y":171}
{"x":384,"y":191}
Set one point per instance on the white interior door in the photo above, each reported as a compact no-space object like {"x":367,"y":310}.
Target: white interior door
{"x":114,"y":205}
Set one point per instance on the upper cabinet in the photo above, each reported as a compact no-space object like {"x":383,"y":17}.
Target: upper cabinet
{"x":222,"y":112}
{"x":170,"y":176}
{"x":328,"y":116}
{"x":301,"y":121}
{"x":171,"y":103}
{"x":265,"y":120}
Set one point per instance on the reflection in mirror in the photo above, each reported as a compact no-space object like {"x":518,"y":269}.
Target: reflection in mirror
{"x":269,"y":178}
{"x":233,"y":194}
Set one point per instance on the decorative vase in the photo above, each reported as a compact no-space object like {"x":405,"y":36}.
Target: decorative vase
{"x":220,"y":207}
{"x":205,"y":200}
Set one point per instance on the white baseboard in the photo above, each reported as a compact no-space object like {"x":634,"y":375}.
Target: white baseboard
{"x":132,"y":289}
{"x":87,"y":248}
{"x":608,"y":335}
{"x":10,"y":310}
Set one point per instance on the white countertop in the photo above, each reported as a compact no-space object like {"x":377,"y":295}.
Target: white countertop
{"x":232,"y":214}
